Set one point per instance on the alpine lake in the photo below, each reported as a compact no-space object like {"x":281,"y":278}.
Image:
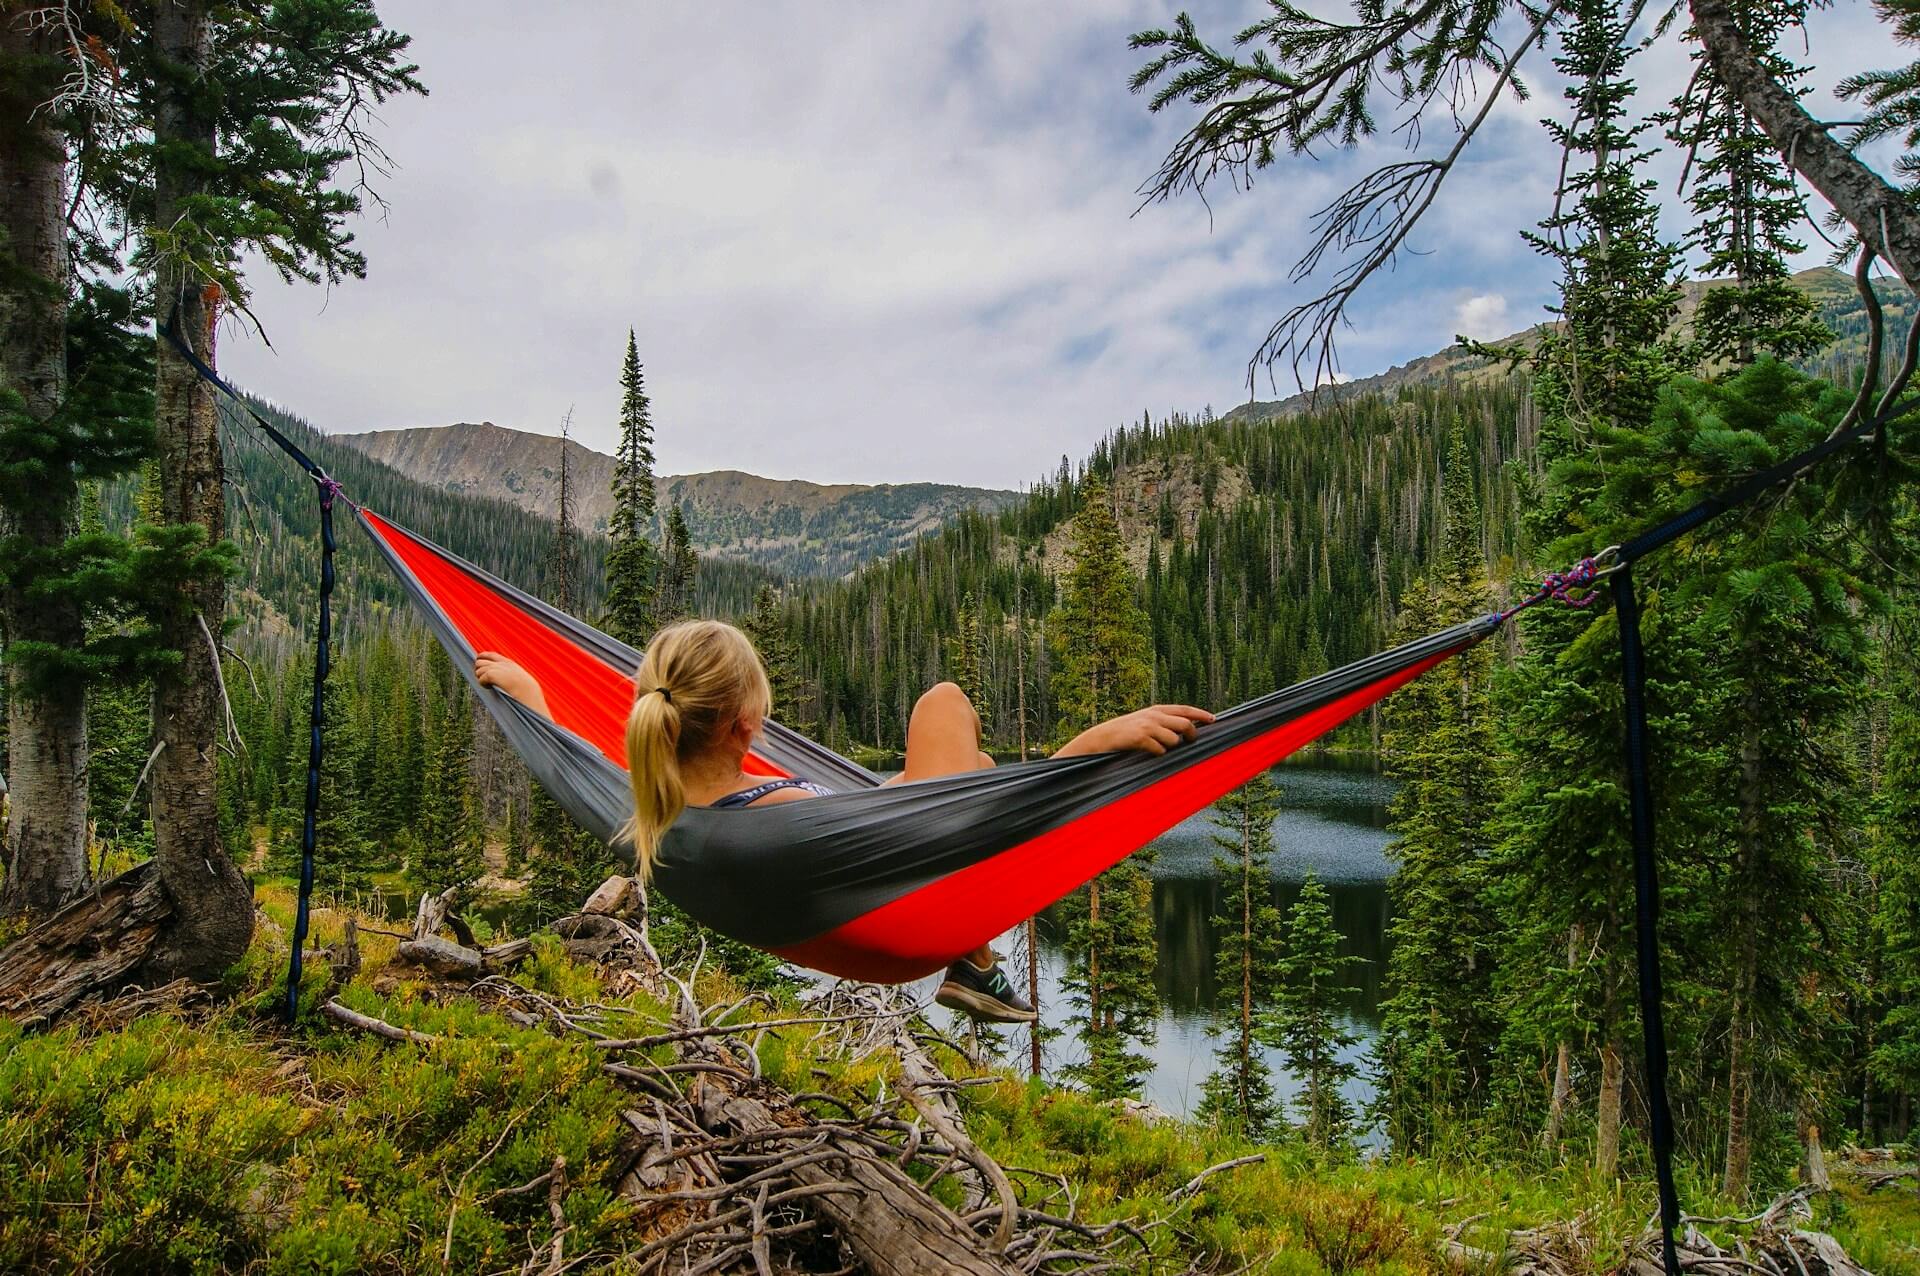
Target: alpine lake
{"x":1332,"y":822}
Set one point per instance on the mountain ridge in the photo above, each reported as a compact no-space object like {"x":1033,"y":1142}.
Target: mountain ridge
{"x":1832,"y":291}
{"x":793,"y":526}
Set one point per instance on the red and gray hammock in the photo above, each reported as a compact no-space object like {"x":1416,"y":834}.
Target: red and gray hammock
{"x":891,"y":883}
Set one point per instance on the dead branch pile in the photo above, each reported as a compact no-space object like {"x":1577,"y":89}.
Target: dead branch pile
{"x":734,"y":1174}
{"x":1770,"y":1243}
{"x":1875,"y":1168}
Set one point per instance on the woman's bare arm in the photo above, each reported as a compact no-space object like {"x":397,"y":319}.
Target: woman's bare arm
{"x":1154,"y":729}
{"x":491,"y":669}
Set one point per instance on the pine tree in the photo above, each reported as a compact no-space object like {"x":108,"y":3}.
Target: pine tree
{"x":1307,"y":1018}
{"x":632,"y":564}
{"x":1783,"y":616}
{"x":517,"y":837}
{"x":1247,"y":962}
{"x":781,"y":660}
{"x":1745,"y":209}
{"x":966,"y":659}
{"x":1438,"y":1033}
{"x":1562,"y":862}
{"x":1100,"y":635}
{"x":563,"y":553}
{"x":678,"y":565}
{"x":446,"y":848}
{"x":1111,"y":958}
{"x":1895,"y":864}
{"x":253,"y":109}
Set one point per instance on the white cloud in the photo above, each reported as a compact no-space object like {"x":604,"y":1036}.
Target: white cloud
{"x":865,"y":243}
{"x":1483,"y":317}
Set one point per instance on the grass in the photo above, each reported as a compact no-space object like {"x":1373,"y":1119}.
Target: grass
{"x":228,"y":1141}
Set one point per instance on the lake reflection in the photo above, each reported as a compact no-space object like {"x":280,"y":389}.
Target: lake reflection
{"x":1333,"y":821}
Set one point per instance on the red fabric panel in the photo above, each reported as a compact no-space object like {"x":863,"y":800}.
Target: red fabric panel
{"x":920,"y":933}
{"x":588,"y":696}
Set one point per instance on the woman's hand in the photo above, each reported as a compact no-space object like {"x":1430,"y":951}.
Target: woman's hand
{"x":491,"y":669}
{"x":1154,"y":729}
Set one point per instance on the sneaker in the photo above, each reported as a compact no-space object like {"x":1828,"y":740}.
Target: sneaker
{"x":986,"y":995}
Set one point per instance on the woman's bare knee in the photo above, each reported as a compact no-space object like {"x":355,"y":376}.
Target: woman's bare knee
{"x":944,"y":697}
{"x":944,"y":736}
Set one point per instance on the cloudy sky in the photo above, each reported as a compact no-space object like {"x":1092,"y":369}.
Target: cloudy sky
{"x":858,"y":242}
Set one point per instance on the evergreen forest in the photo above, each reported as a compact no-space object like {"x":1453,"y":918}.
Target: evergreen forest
{"x":300,"y":968}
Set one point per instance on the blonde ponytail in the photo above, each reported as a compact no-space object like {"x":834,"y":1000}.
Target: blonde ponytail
{"x":698,"y":678}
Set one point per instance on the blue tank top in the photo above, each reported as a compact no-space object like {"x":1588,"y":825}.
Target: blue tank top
{"x":747,"y":797}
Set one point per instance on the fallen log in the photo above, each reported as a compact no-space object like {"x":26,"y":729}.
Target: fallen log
{"x":378,"y":1027}
{"x":93,"y":947}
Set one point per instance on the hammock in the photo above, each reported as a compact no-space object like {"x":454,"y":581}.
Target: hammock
{"x":877,"y":883}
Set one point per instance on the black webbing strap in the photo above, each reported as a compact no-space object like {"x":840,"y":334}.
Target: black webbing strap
{"x":1646,"y":896}
{"x":316,"y":716}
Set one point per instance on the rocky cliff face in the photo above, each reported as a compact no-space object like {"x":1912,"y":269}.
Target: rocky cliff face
{"x":789,"y":525}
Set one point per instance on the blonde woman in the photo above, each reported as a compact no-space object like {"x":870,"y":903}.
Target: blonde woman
{"x":701,"y":696}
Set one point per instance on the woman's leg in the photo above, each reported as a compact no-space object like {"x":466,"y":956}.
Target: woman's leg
{"x":943,"y":738}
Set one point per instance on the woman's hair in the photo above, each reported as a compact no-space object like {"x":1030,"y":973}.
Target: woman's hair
{"x":698,"y":678}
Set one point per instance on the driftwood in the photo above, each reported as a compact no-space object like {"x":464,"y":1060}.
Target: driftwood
{"x":461,"y":957}
{"x":1193,"y":1185}
{"x":93,"y":947}
{"x":1769,"y":1243}
{"x":1875,"y":1168}
{"x":882,"y":1216}
{"x":731,"y":1174}
{"x":378,"y":1027}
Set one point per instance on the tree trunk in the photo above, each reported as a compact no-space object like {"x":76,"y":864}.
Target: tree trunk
{"x":1562,"y":1065}
{"x":212,"y":902}
{"x":1746,"y":885}
{"x":1033,"y":994}
{"x":1246,"y":967}
{"x":1739,"y":1098}
{"x":1887,"y":222}
{"x":1606,"y":1138}
{"x":92,"y":946}
{"x":46,"y":836}
{"x":1093,"y":954}
{"x":1813,"y":1157}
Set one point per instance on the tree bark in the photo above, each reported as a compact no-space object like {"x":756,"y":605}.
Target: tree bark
{"x":1748,"y":881}
{"x":91,"y":947}
{"x":1886,"y":222}
{"x":212,"y":902}
{"x":46,"y":836}
{"x":1606,"y":1139}
{"x":1562,"y":1064}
